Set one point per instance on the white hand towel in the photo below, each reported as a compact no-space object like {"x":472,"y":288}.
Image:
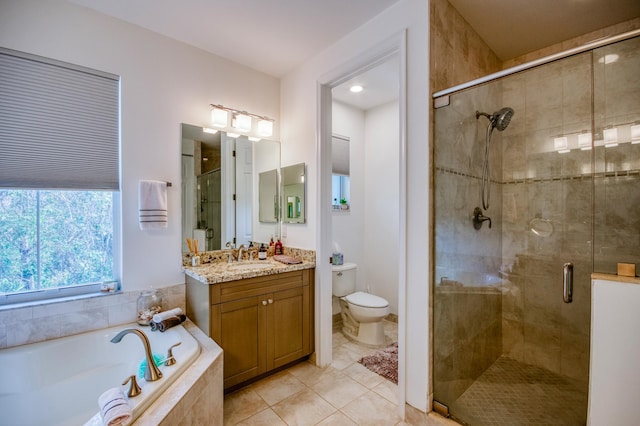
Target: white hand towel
{"x":114,"y":408}
{"x":167,"y":314}
{"x":152,"y":204}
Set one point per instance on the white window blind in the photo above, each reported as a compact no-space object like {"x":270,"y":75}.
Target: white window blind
{"x":59,"y":125}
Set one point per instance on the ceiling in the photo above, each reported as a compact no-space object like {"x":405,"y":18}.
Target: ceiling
{"x":513,"y":28}
{"x":380,"y":86}
{"x":274,"y":37}
{"x":270,"y":36}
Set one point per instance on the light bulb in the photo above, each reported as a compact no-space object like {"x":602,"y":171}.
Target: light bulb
{"x":265,"y":128}
{"x":219,"y":117}
{"x":242,"y":122}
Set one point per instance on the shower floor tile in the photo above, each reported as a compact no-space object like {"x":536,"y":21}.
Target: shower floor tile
{"x":512,"y":393}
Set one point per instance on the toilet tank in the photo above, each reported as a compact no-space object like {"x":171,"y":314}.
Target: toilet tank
{"x":343,"y":279}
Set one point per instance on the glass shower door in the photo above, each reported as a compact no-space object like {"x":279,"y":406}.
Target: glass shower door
{"x":507,"y":348}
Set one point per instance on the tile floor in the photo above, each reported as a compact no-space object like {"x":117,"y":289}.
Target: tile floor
{"x":345,"y":393}
{"x":511,"y":393}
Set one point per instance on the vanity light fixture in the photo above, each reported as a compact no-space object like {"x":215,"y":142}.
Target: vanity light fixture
{"x":356,"y":88}
{"x":241,"y":121}
{"x":584,"y":141}
{"x":219,"y":116}
{"x":635,"y":133}
{"x":610,"y":137}
{"x":561,"y":145}
{"x":265,"y":127}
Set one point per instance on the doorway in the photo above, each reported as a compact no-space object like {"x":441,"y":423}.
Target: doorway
{"x":363,"y":204}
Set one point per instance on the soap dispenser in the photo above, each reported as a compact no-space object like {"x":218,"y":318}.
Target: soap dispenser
{"x":262,"y":253}
{"x":278,"y":249}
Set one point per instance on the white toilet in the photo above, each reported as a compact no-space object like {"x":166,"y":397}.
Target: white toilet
{"x":362,"y":313}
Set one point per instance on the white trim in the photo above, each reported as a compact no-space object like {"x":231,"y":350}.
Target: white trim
{"x":541,"y":61}
{"x":395,"y":45}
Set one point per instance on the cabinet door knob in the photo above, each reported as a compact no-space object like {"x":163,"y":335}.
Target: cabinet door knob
{"x":270,"y":301}
{"x":264,"y":302}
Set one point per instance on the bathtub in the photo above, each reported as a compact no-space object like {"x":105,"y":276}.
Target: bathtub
{"x":58,"y":382}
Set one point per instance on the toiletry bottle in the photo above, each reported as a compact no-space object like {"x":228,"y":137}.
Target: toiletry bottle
{"x":262,"y":254}
{"x":271,"y":242}
{"x":278,"y":247}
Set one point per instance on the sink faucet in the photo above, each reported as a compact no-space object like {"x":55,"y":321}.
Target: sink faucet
{"x":151,"y":371}
{"x":241,"y":250}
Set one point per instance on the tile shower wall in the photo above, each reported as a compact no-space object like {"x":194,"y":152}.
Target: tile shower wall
{"x":617,"y":178}
{"x":50,"y":320}
{"x":547,"y":201}
{"x":468,"y":302}
{"x":578,"y":207}
{"x":458,"y":53}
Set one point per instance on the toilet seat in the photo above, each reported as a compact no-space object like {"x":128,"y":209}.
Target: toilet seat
{"x":366,"y":300}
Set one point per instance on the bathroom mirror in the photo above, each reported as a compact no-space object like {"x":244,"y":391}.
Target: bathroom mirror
{"x":220,"y":188}
{"x":268,"y":196}
{"x":293,"y":193}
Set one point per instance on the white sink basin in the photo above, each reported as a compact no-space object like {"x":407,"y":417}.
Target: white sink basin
{"x":239,"y":267}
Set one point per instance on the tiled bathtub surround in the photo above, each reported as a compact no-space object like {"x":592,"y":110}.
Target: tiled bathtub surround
{"x":37,"y":322}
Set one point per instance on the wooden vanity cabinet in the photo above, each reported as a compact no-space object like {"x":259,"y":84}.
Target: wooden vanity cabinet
{"x":261,"y":323}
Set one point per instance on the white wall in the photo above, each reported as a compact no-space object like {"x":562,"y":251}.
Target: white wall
{"x":163,"y":83}
{"x":368,"y":233}
{"x":348,"y":226}
{"x":614,"y":378}
{"x":299,"y":112}
{"x":381,"y":202}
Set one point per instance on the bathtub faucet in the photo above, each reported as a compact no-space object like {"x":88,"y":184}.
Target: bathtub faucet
{"x":151,"y":371}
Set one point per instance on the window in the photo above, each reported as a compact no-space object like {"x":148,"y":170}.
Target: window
{"x":340,"y":182}
{"x":54,"y":239}
{"x":59,"y":177}
{"x":340,"y":191}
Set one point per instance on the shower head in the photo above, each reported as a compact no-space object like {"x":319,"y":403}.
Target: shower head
{"x":500,"y":119}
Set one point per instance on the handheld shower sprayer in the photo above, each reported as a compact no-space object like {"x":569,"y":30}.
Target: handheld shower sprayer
{"x":498,"y":120}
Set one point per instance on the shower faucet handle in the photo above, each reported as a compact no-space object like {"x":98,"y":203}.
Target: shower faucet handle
{"x":479,"y":218}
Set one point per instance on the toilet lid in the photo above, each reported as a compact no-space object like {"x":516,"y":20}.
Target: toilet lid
{"x":367,"y":300}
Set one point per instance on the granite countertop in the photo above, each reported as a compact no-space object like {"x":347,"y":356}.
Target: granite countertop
{"x":220,"y":272}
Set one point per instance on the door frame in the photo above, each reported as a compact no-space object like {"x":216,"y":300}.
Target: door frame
{"x":395,"y":45}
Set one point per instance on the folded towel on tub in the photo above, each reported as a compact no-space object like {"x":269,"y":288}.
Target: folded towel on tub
{"x":114,"y":408}
{"x":167,"y":323}
{"x":152,"y":204}
{"x":167,"y":314}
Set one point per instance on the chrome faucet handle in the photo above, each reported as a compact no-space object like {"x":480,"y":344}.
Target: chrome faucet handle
{"x":170,"y":359}
{"x":134,"y":389}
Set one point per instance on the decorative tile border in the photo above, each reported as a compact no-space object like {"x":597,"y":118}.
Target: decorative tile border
{"x":584,"y":176}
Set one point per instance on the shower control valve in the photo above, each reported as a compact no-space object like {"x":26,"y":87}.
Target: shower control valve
{"x":479,"y":218}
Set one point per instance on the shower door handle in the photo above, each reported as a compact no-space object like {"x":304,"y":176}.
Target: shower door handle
{"x":568,"y":282}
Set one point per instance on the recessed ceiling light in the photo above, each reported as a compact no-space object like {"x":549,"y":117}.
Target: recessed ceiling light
{"x":609,"y":59}
{"x":356,"y":88}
